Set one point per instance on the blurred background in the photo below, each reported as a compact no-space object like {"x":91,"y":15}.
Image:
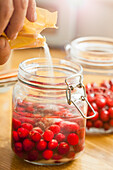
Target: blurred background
{"x":78,"y":18}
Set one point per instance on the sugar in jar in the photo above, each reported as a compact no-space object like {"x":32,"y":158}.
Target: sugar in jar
{"x":49,"y":111}
{"x":95,"y":54}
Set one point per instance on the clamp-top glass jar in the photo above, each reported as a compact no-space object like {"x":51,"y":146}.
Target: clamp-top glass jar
{"x":46,"y":128}
{"x":95,"y":54}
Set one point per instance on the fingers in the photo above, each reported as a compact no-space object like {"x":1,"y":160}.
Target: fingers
{"x":4,"y":50}
{"x":6,"y":11}
{"x":31,"y":11}
{"x":17,"y":19}
{"x":12,"y":15}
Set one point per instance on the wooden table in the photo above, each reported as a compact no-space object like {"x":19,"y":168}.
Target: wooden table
{"x":98,"y":154}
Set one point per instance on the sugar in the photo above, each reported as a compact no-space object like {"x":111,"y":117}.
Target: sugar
{"x":49,"y":60}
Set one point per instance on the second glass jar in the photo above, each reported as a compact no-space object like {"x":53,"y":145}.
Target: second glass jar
{"x":95,"y":54}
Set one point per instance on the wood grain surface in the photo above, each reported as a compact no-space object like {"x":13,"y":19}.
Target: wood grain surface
{"x":98,"y":154}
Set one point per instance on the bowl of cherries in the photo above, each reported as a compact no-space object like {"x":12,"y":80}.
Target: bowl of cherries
{"x":101,"y":99}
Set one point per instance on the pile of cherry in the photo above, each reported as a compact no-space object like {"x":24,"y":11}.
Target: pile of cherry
{"x":41,"y":134}
{"x":101,"y":99}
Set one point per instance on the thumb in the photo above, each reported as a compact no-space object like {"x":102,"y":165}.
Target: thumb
{"x":4,"y":50}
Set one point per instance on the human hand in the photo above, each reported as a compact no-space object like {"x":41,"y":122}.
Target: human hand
{"x":12,"y":15}
{"x":4,"y":50}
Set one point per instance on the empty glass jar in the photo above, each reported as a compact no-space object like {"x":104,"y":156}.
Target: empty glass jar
{"x":95,"y":54}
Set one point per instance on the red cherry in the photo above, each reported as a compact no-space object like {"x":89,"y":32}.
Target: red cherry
{"x":41,"y":145}
{"x":30,"y":108}
{"x":56,"y":156}
{"x":105,"y":84}
{"x":91,"y":97}
{"x":27,"y":120}
{"x":20,"y":154}
{"x":73,"y":139}
{"x":16,"y":123}
{"x":18,"y":146}
{"x":55,"y":129}
{"x":98,"y":124}
{"x":79,"y":147}
{"x":111,"y":88}
{"x":109,"y":102}
{"x":98,"y":95}
{"x":81,"y":133}
{"x":60,"y":137}
{"x":100,"y":101}
{"x":15,"y":136}
{"x":20,"y":109}
{"x":35,"y":136}
{"x":94,"y":85}
{"x":111,"y":122}
{"x":27,"y":126}
{"x":111,"y":82}
{"x":52,"y":144}
{"x":64,"y":111}
{"x":22,"y":132}
{"x":95,"y":117}
{"x":47,"y":154}
{"x":70,"y":115}
{"x":89,"y":124}
{"x":58,"y":121}
{"x":20,"y":103}
{"x":58,"y":113}
{"x":28,"y":145}
{"x":26,"y":114}
{"x":110,"y":112}
{"x":69,"y":126}
{"x":71,"y":155}
{"x":88,"y":87}
{"x":63,"y":148}
{"x":48,"y":135}
{"x":94,"y":105}
{"x":106,"y":126}
{"x":39,"y":106}
{"x":104,"y":115}
{"x":38,"y":129}
{"x":33,"y":155}
{"x":37,"y":116}
{"x":96,"y":89}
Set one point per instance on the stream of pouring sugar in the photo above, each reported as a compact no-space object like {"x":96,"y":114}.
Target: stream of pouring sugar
{"x":49,"y":60}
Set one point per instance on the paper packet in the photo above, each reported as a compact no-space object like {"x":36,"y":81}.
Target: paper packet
{"x":29,"y":36}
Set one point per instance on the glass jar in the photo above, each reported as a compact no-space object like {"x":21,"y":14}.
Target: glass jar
{"x":95,"y":54}
{"x":47,"y":127}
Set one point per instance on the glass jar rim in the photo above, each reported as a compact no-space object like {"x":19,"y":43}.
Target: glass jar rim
{"x":95,"y":47}
{"x":27,"y":76}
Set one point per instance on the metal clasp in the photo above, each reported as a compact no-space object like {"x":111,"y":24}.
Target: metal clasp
{"x":83,"y":98}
